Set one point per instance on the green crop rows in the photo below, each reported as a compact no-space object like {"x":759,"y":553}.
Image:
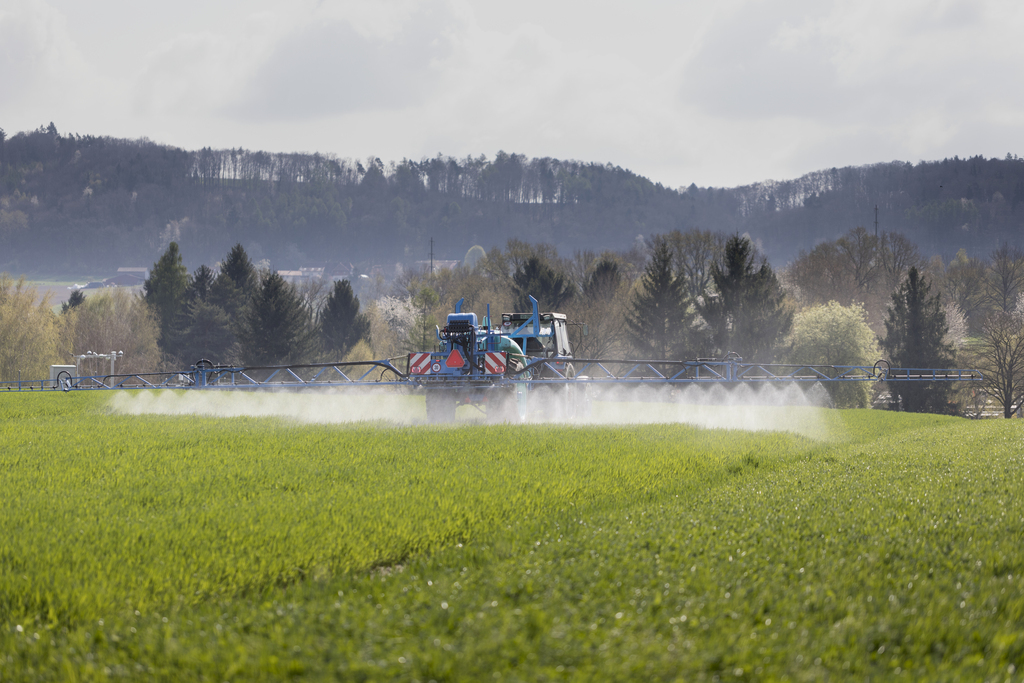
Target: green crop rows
{"x":191,"y":548}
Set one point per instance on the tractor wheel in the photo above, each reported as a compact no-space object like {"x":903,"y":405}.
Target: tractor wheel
{"x":63,"y":380}
{"x":440,"y":406}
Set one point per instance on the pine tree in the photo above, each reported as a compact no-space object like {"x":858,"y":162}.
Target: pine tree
{"x":165,"y":292}
{"x":914,"y":333}
{"x":747,"y":314}
{"x":551,"y":289}
{"x":200,"y":284}
{"x":276,"y":327}
{"x":210,"y":334}
{"x":235,"y":283}
{"x":74,"y":301}
{"x":341,"y":324}
{"x":603,"y":282}
{"x":240,"y":270}
{"x":207,"y":330}
{"x":659,"y":326}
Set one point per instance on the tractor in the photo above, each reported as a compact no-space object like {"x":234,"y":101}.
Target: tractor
{"x":500,"y":369}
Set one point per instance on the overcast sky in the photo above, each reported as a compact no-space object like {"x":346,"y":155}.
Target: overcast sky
{"x":718,"y":93}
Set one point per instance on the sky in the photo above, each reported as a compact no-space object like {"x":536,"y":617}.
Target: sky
{"x":719,"y":93}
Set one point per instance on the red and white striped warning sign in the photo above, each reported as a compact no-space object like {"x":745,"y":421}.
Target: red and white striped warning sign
{"x":494,"y":362}
{"x":419,"y":363}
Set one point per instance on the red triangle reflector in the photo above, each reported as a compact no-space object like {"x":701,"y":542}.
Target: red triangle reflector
{"x":455,"y":359}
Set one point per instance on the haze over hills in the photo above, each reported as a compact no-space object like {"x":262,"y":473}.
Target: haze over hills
{"x":87,"y":204}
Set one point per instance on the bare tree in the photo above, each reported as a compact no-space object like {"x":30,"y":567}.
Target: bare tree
{"x":314,"y":292}
{"x":1000,"y":357}
{"x":116,"y":320}
{"x":1004,"y":279}
{"x":860,"y":250}
{"x":896,"y":256}
{"x":821,"y":276}
{"x":964,"y":285}
{"x":693,"y":254}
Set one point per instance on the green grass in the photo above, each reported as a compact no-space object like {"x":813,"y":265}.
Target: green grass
{"x":241,"y":548}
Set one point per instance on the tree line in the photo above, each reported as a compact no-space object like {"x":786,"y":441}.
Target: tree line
{"x":676,"y":296}
{"x":92,"y":202}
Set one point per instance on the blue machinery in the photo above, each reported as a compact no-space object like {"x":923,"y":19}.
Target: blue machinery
{"x":497,"y":366}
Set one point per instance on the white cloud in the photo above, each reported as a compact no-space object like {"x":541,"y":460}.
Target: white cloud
{"x":714,"y":93}
{"x":328,"y":67}
{"x":40,"y":62}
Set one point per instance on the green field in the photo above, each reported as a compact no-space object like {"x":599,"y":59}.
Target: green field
{"x":179,"y":547}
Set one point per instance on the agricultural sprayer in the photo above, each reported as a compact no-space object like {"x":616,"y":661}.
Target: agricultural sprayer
{"x":519,"y":366}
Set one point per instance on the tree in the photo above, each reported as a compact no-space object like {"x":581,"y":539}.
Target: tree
{"x":240,"y":270}
{"x":860,"y":252}
{"x":235,"y":283}
{"x":604,"y":280}
{"x":602,"y":307}
{"x":209,"y":335}
{"x":659,"y":324}
{"x":422,"y":334}
{"x":116,"y":320}
{"x":165,"y":292}
{"x":200,"y":284}
{"x":693,"y":253}
{"x":835,"y":335}
{"x":276,"y":327}
{"x":821,"y":275}
{"x":896,"y":255}
{"x":536,"y":278}
{"x":915,"y":338}
{"x":1004,"y":278}
{"x":73,"y":301}
{"x":207,"y":331}
{"x":999,"y":354}
{"x":342,"y":326}
{"x":748,"y":314}
{"x":965,"y":286}
{"x":32,"y":337}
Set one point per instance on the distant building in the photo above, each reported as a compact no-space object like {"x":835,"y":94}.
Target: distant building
{"x":126,"y":277}
{"x":340,"y":271}
{"x":140,"y":272}
{"x":293,"y":276}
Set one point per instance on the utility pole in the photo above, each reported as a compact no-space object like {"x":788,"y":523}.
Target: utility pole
{"x":876,"y":221}
{"x":432,"y":254}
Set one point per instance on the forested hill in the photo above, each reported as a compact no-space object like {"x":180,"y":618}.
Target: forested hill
{"x":85,"y":203}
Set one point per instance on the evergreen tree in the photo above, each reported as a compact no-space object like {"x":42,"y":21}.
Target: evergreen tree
{"x":165,"y":292}
{"x":240,"y":270}
{"x":210,"y":334}
{"x":207,"y":331}
{"x":660,"y":323}
{"x":73,"y":301}
{"x":914,"y":333}
{"x":341,"y":324}
{"x":235,"y":283}
{"x":551,"y":289}
{"x":603,"y":282}
{"x":200,"y":284}
{"x":276,"y":327}
{"x":747,"y":314}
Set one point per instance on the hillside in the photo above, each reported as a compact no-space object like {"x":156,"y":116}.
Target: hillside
{"x":83,"y":203}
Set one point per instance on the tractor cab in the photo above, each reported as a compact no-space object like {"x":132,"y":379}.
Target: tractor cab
{"x":542,"y":335}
